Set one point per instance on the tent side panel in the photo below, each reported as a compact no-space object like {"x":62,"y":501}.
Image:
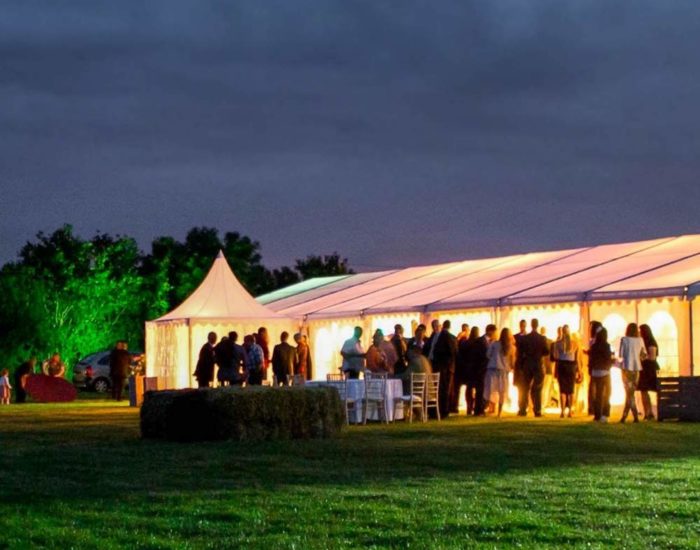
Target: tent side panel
{"x":167,"y":354}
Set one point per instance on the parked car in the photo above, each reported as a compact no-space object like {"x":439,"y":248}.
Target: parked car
{"x":92,"y":372}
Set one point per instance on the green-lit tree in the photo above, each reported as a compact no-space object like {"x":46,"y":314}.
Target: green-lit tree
{"x":71,"y":296}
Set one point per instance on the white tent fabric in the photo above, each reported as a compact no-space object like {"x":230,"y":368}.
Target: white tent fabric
{"x":220,"y":296}
{"x":666,"y":265}
{"x":220,"y":304}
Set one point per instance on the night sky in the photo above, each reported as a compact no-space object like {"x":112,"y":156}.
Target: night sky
{"x":395,"y":133}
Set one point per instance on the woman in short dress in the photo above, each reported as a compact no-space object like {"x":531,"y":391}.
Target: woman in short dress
{"x":650,"y":366}
{"x":501,"y":356}
{"x":566,"y":354}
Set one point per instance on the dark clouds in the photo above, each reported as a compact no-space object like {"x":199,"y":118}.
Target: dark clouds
{"x":394,"y":132}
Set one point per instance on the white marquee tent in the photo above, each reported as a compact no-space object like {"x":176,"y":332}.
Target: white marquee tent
{"x":652,"y":282}
{"x":219,"y":304}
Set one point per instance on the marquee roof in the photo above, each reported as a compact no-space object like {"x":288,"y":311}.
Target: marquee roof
{"x":659,"y":267}
{"x":221,"y":296}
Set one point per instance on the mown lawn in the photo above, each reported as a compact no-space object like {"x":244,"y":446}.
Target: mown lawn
{"x":78,"y":476}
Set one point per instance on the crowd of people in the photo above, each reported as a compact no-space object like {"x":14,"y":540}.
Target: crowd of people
{"x":249,"y":362}
{"x":544,"y":371}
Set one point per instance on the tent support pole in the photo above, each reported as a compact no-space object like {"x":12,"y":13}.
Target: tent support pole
{"x":692,"y":344}
{"x":189,"y":352}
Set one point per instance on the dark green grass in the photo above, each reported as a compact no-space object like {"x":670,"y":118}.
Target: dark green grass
{"x":79,"y":476}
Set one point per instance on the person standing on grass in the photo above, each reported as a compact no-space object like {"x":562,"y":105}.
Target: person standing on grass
{"x":429,"y":347}
{"x":548,"y":390}
{"x":262,"y":339}
{"x":593,"y":329}
{"x":254,"y":361}
{"x":458,"y":380}
{"x":519,"y":353}
{"x":204,"y":371}
{"x":600,"y":359}
{"x":283,"y":357}
{"x":401,"y":350}
{"x":444,"y":352}
{"x":21,"y":374}
{"x":119,"y":366}
{"x":648,"y":377}
{"x":302,"y":362}
{"x":353,"y":355}
{"x":535,"y":349}
{"x":501,"y":360}
{"x":476,"y":359}
{"x":5,"y":387}
{"x":632,"y":353}
{"x":566,"y":355}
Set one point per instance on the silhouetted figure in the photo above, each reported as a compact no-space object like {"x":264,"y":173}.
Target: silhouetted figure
{"x":302,"y":363}
{"x":534,"y":350}
{"x":401,"y":350}
{"x":353,"y":355}
{"x":650,"y":367}
{"x":600,"y":360}
{"x":283,"y":359}
{"x":119,"y":368}
{"x":204,"y":372}
{"x":254,"y":361}
{"x":444,"y":352}
{"x":21,"y":375}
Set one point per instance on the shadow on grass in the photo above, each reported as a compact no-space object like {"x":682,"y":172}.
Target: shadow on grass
{"x":97,"y":448}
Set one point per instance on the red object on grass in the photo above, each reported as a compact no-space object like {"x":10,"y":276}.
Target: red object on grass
{"x":50,"y":389}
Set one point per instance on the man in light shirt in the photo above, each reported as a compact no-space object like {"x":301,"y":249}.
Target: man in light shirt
{"x":353,"y":355}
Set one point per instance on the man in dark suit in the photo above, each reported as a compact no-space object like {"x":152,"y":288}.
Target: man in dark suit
{"x":119,"y":367}
{"x":535,"y":349}
{"x":204,"y":372}
{"x":283,"y":358}
{"x":444,"y":354}
{"x":519,"y":349}
{"x":432,"y":339}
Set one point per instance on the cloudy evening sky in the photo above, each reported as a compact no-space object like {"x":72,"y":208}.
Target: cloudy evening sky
{"x":396,"y":133}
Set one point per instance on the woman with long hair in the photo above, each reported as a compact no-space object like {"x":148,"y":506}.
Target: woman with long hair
{"x":632,"y":352}
{"x":600,"y":359}
{"x":566,"y":354}
{"x":501,"y":355}
{"x":650,"y":367}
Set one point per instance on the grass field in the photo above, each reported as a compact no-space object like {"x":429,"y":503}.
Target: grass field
{"x":79,"y":476}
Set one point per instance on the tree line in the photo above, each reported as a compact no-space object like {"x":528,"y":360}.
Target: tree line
{"x":75,"y":296}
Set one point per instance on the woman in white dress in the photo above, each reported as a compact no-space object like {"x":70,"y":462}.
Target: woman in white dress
{"x":632,"y":353}
{"x":501,"y":356}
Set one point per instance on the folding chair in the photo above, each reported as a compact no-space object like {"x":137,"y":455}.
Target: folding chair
{"x":375,"y":394}
{"x":432,"y":394}
{"x":415,"y":399}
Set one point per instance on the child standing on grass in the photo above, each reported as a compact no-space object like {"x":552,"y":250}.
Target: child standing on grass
{"x":5,"y":387}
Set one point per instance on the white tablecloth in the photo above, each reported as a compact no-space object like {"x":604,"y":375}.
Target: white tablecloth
{"x":355,"y":388}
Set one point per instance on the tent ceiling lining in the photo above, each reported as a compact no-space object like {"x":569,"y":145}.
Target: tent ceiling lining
{"x":572,"y":276}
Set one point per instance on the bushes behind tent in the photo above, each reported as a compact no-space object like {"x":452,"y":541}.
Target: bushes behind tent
{"x":252,"y":413}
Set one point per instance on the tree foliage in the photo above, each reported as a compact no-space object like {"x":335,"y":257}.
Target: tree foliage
{"x":74,"y":296}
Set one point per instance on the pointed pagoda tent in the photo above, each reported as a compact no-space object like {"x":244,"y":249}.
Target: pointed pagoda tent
{"x":220,"y":304}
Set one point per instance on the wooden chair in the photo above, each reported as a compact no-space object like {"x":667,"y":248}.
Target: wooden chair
{"x":297,"y":380}
{"x":375,"y":394}
{"x":335,"y":377}
{"x":432,"y":394}
{"x":415,"y":399}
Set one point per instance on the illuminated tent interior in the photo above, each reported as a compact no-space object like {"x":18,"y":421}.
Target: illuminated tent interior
{"x":653,"y":282}
{"x":219,"y":304}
